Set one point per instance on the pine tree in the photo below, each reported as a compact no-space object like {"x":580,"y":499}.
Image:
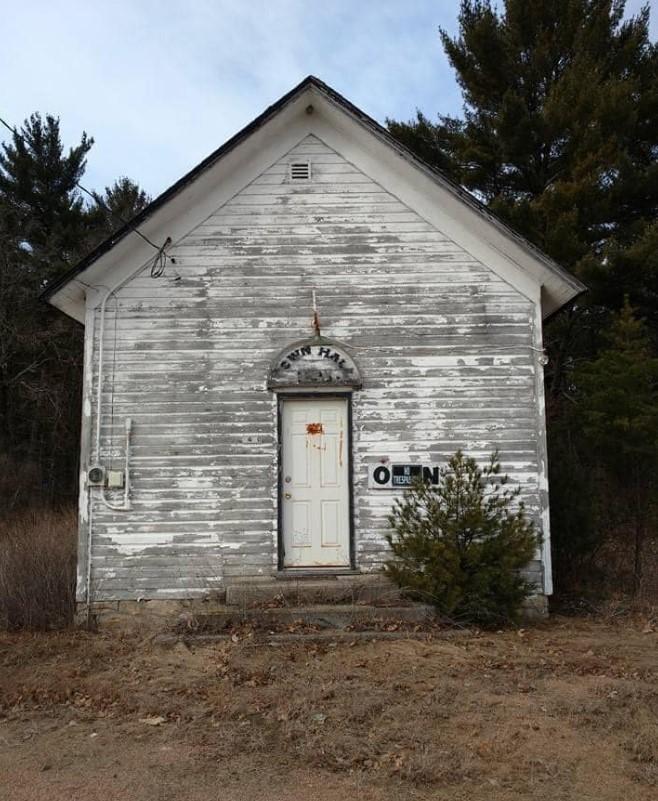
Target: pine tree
{"x":560,"y":120}
{"x":45,"y":226}
{"x":629,"y":270}
{"x":40,"y":378}
{"x":116,"y":206}
{"x":39,"y":184}
{"x":462,"y":543}
{"x":618,"y":412}
{"x":559,"y":136}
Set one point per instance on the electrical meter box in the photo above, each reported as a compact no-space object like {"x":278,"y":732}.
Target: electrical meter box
{"x":115,"y":479}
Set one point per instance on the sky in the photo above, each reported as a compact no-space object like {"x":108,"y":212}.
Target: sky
{"x":159,"y":85}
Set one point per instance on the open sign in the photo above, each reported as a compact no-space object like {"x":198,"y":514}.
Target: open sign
{"x":400,"y":476}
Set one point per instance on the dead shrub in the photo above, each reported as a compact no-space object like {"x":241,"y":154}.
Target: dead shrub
{"x":37,"y":569}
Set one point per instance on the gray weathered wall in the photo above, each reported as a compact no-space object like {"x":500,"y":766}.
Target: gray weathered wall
{"x":444,"y":346}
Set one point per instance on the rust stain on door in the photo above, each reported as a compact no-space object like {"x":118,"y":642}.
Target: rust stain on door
{"x":314,"y":428}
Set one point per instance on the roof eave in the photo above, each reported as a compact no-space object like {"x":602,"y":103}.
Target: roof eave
{"x":562,"y":286}
{"x":106,"y":245}
{"x":559,"y":285}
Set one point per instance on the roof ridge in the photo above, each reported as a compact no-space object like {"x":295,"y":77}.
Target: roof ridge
{"x":273,"y":109}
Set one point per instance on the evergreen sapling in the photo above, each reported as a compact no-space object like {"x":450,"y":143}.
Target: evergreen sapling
{"x":462,"y":544}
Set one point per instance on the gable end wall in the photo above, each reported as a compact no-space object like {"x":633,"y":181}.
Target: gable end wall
{"x":447,"y":349}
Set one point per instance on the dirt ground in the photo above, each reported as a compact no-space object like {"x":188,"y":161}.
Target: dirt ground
{"x":566,"y":710}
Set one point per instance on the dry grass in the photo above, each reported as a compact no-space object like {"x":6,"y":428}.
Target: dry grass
{"x":567,"y":710}
{"x":37,"y":569}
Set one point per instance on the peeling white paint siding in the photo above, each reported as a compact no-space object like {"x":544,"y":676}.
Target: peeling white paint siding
{"x":445,"y":347}
{"x":84,"y":507}
{"x":542,"y":460}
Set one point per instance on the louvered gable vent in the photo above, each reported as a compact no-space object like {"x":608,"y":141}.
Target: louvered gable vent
{"x":300,"y":171}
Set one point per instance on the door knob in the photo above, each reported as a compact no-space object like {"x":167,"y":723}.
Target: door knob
{"x":287,"y":495}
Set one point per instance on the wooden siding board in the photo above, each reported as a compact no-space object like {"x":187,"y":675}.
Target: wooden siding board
{"x":446,"y":349}
{"x":84,"y":505}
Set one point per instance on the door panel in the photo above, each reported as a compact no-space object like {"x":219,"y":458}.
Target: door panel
{"x":315,"y":483}
{"x":301,"y":524}
{"x":330,"y":523}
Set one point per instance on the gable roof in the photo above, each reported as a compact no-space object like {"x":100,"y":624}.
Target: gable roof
{"x":558,"y":285}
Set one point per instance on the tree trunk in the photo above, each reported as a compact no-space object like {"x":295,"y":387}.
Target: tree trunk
{"x":640,"y":515}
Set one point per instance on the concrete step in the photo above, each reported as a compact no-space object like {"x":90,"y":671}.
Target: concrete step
{"x":317,"y":616}
{"x":302,"y":590}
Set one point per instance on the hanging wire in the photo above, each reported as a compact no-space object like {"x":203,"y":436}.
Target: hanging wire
{"x":160,"y":262}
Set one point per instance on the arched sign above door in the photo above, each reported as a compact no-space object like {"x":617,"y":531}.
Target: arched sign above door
{"x":313,"y":363}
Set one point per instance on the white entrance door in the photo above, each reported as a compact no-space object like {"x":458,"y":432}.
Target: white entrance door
{"x":315,"y":483}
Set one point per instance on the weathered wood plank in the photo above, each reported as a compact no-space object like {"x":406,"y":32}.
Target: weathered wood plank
{"x":447,"y":351}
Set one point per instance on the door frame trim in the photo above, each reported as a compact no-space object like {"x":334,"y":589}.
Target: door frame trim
{"x":281,"y":398}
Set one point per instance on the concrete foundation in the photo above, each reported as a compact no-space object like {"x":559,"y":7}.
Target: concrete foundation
{"x":359,"y":599}
{"x":535,"y":608}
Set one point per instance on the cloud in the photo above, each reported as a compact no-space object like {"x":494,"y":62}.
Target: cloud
{"x":161,"y":84}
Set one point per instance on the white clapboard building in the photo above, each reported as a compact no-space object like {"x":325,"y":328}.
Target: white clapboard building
{"x":327,"y":316}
